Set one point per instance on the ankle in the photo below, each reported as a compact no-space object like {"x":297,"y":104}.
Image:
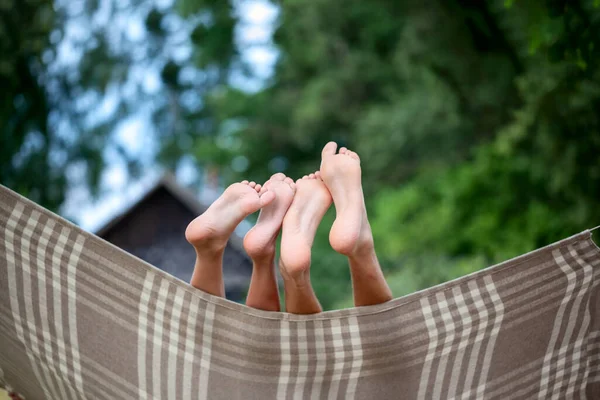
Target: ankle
{"x":210,"y":248}
{"x":364,"y":249}
{"x":205,"y":238}
{"x":297,"y":276}
{"x":262,"y":255}
{"x":365,"y":245}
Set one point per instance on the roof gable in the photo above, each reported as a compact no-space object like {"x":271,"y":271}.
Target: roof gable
{"x":181,"y":194}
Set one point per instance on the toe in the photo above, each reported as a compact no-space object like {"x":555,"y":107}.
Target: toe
{"x":289,"y":181}
{"x":252,"y":184}
{"x":312,"y":176}
{"x":278,"y":176}
{"x":258,"y":187}
{"x":245,"y":182}
{"x":343,"y":150}
{"x":329,"y":149}
{"x":266,"y":198}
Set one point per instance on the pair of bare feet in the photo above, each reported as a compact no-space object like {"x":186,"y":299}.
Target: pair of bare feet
{"x":295,"y":209}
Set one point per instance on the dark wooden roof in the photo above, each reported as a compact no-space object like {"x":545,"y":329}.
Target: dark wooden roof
{"x":153,"y":229}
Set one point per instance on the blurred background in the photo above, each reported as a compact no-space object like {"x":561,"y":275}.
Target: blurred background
{"x":478,"y":122}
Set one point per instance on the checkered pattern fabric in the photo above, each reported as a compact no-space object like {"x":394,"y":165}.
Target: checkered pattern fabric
{"x":81,"y":319}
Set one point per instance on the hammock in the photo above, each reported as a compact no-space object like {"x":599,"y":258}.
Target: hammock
{"x":81,"y":319}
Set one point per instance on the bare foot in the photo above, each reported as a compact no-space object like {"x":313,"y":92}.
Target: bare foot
{"x":263,"y":292}
{"x":260,"y":240}
{"x":211,"y":230}
{"x":351,"y":232}
{"x":300,"y":224}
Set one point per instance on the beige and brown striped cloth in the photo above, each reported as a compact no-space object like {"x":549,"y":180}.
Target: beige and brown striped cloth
{"x":81,"y":319}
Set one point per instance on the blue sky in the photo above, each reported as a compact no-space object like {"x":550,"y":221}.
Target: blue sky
{"x":253,"y":38}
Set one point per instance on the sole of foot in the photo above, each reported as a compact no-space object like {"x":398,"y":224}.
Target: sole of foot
{"x":212,"y":229}
{"x":260,"y":240}
{"x":300,"y":224}
{"x":341,"y":172}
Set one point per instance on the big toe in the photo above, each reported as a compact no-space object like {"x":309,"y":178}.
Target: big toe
{"x":329,"y":149}
{"x":267,"y":198}
{"x":278,"y":177}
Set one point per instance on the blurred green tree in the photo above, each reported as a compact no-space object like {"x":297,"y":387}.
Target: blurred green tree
{"x":63,"y":62}
{"x":476,"y":122}
{"x":25,"y":30}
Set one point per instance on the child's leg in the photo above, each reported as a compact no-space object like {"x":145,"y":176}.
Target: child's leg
{"x":260,"y":244}
{"x":210,"y":232}
{"x":299,"y":227}
{"x":351,"y":233}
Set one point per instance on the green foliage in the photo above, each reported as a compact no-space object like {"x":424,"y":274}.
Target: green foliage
{"x":51,"y":127}
{"x":24,"y":105}
{"x":476,"y":121}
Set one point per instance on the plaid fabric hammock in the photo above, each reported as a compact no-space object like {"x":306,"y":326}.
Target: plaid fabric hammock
{"x":81,"y":319}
